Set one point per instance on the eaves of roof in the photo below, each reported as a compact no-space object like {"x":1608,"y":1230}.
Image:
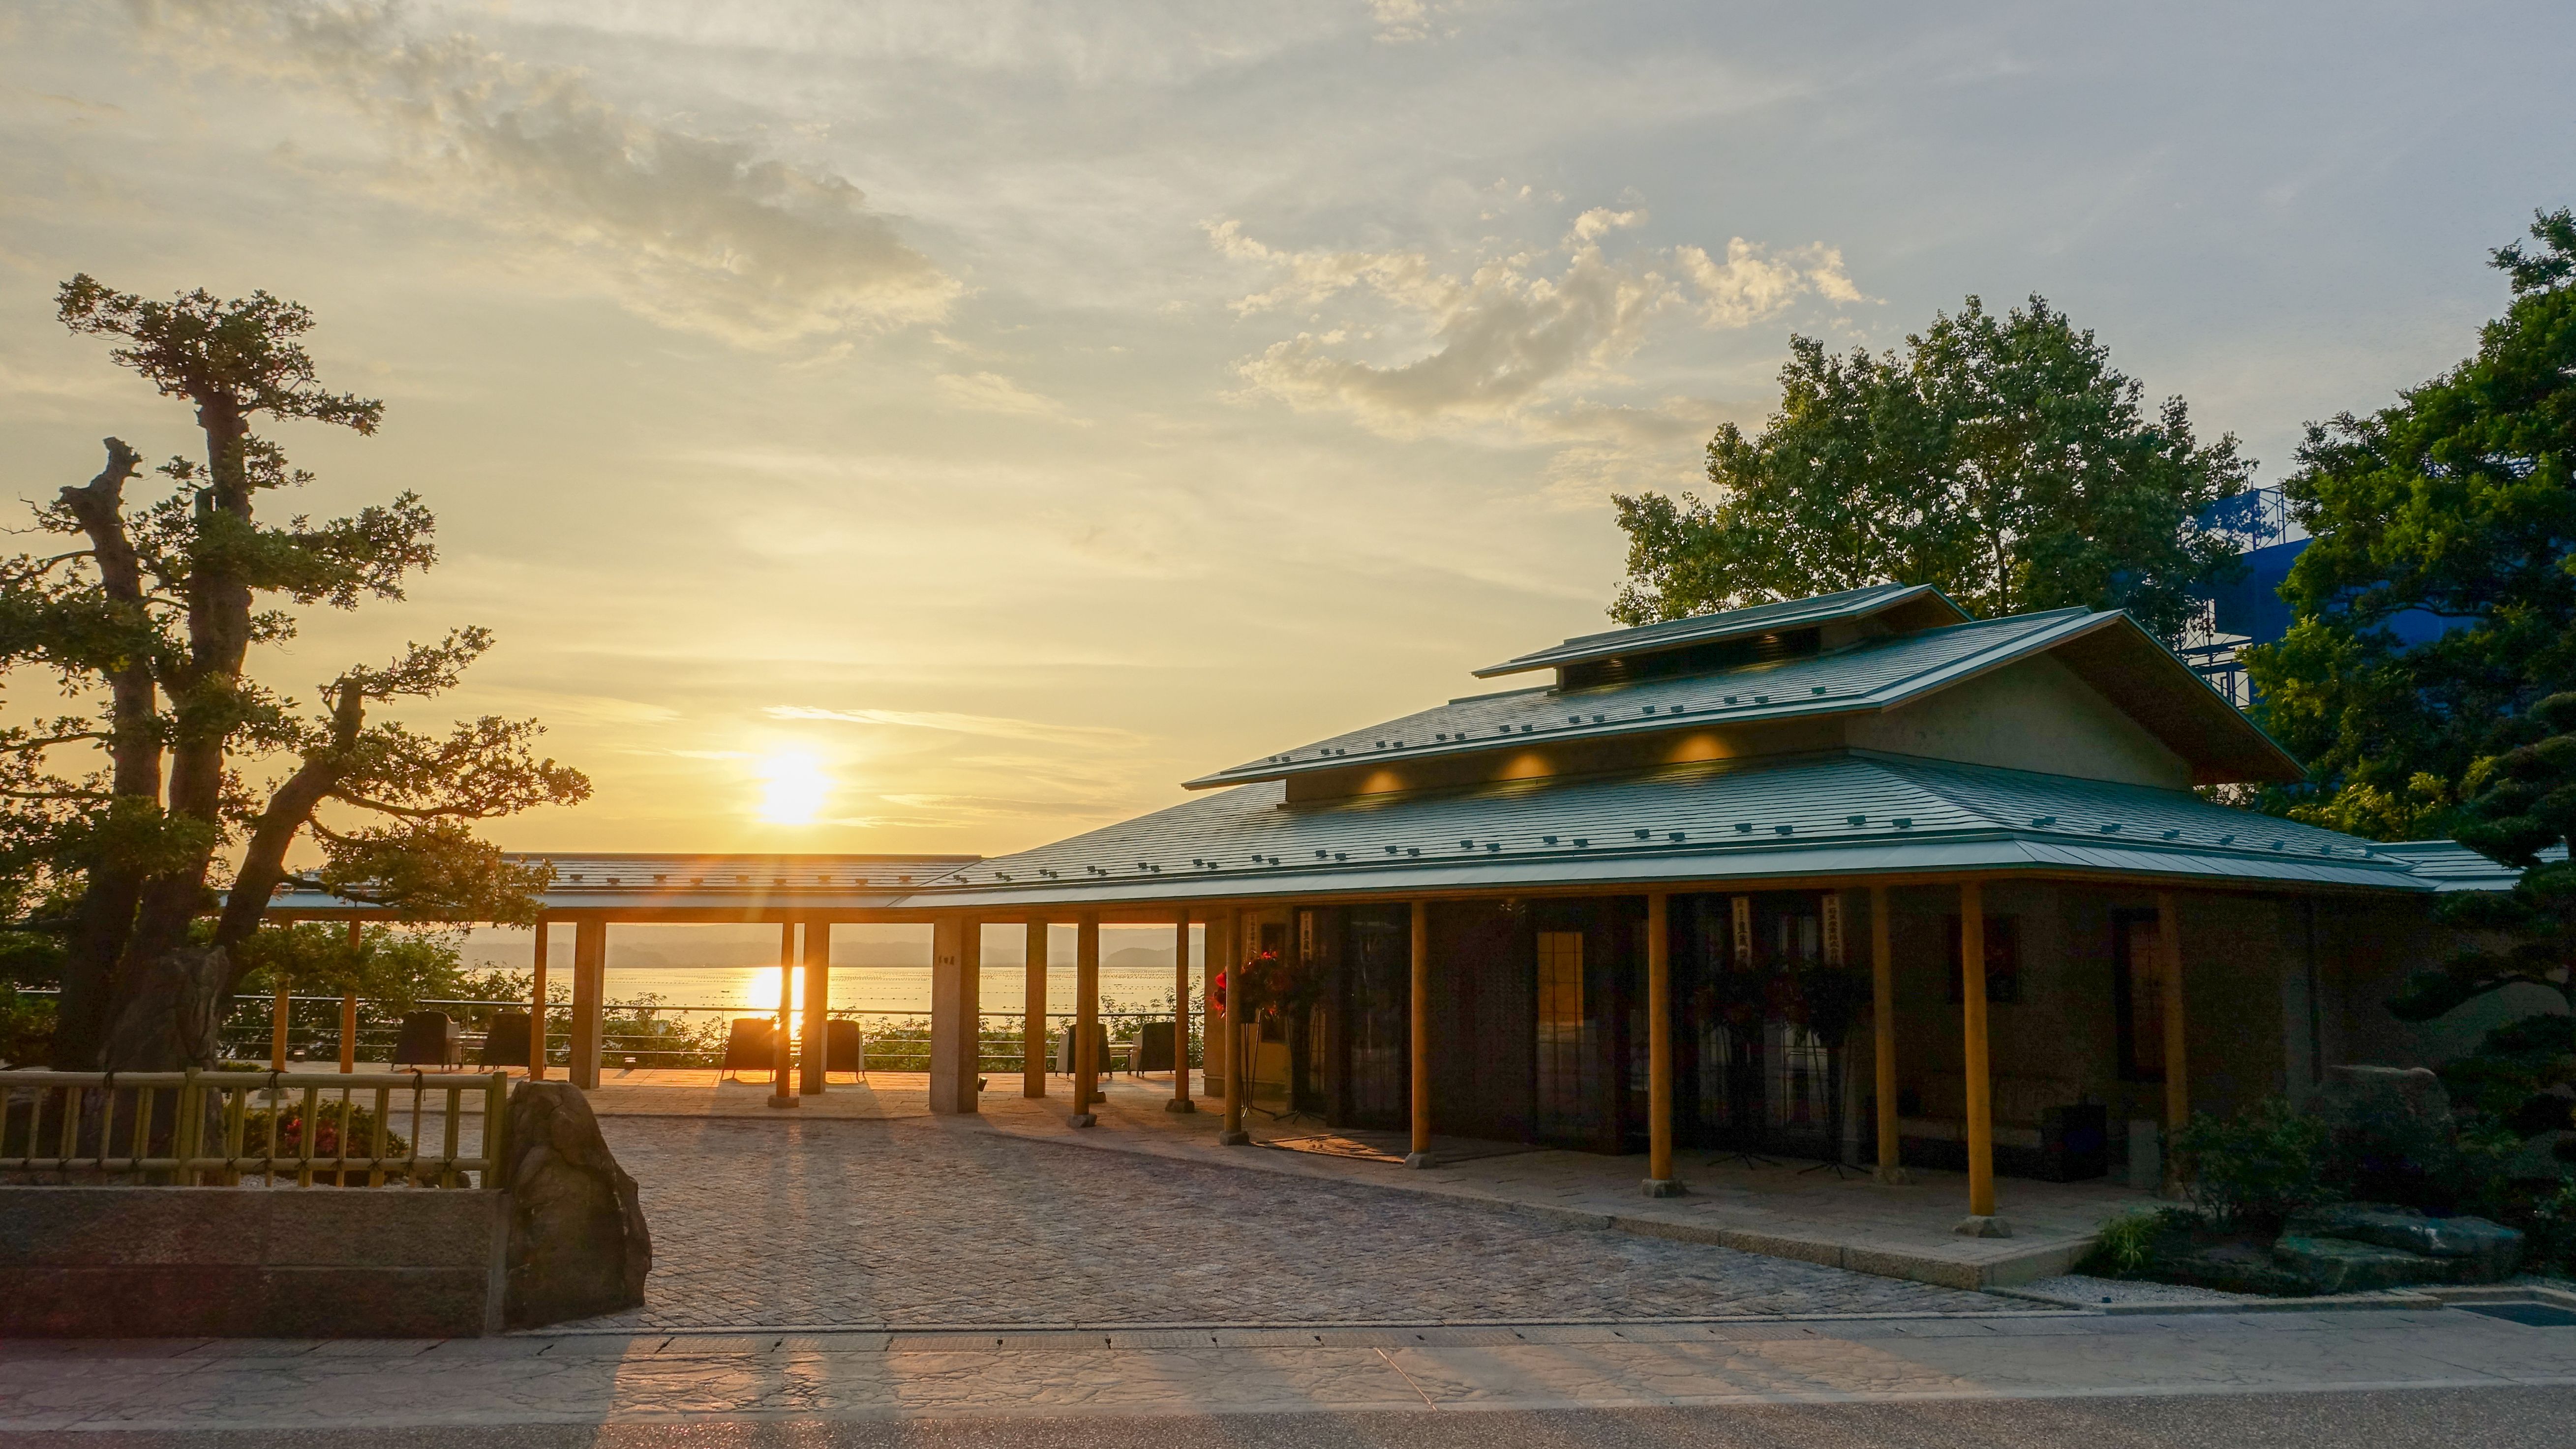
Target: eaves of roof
{"x":1731,"y":624}
{"x":1844,"y":812}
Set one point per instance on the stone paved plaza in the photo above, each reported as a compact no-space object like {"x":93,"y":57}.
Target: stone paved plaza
{"x":919,"y":1222}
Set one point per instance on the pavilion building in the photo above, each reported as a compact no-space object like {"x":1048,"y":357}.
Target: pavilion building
{"x":1709,"y":882}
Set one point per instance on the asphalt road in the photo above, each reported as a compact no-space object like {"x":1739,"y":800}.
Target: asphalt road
{"x":2498,"y":1418}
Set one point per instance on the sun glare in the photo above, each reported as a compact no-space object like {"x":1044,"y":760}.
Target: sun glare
{"x":793,"y":788}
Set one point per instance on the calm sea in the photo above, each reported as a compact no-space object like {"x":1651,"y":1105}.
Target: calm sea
{"x":874,"y":968}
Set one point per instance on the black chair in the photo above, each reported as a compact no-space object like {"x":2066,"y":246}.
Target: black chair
{"x":429,"y":1038}
{"x":1154,"y":1047}
{"x":1099,"y":1050}
{"x":505,"y":1044}
{"x":844,"y":1049}
{"x":752,"y":1046}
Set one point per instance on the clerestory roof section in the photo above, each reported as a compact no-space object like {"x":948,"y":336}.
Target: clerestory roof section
{"x":1852,"y":604}
{"x":1835,"y":813}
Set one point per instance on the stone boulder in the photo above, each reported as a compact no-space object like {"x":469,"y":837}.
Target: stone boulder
{"x":578,"y":1245}
{"x":2345,"y":1265}
{"x":2465,"y":1249}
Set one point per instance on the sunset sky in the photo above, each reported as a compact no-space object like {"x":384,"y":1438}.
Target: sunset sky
{"x":950,"y":425}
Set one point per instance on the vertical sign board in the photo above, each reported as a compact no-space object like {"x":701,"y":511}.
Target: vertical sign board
{"x":1833,"y":928}
{"x":1744,"y":933}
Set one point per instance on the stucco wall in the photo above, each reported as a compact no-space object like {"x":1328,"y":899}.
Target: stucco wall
{"x":2033,"y":715}
{"x":161,"y":1262}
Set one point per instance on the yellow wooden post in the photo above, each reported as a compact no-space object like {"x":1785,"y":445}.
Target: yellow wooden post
{"x":1660,"y":1181}
{"x":1981,"y":1220}
{"x":2177,"y":1054}
{"x":589,"y":1001}
{"x":1882,"y":972}
{"x":1033,"y":1062}
{"x":1181,"y":1017}
{"x":1420,"y":1016}
{"x":1086,"y":1018}
{"x":814,"y":1062}
{"x":1231,"y":920}
{"x":277,"y":1021}
{"x":782,"y":1085}
{"x":537,"y":1009}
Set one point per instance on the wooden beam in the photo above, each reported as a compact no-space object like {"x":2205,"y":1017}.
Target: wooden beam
{"x":349,"y":1005}
{"x":1420,"y":1022}
{"x":1181,"y":1016}
{"x":1086,"y":1019}
{"x":1981,"y":1220}
{"x":956,"y":1014}
{"x":589,"y":1000}
{"x":277,"y":1023}
{"x":814,"y":1063}
{"x":2177,"y":1040}
{"x":1882,"y":974}
{"x":537,"y":1007}
{"x":1660,"y":1181}
{"x":1231,"y":919}
{"x":782,"y":1082}
{"x":1033,"y":1026}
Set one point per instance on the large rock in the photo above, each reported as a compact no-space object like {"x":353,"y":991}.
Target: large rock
{"x":578,"y":1245}
{"x":2470,"y":1250}
{"x":2345,"y":1265}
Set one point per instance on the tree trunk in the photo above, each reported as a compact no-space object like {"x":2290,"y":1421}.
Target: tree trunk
{"x":171,"y":1006}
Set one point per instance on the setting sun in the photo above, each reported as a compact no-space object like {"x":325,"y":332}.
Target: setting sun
{"x":793,"y":788}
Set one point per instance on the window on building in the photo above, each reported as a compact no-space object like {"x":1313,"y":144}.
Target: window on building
{"x":2003,"y":961}
{"x":2138,"y":993}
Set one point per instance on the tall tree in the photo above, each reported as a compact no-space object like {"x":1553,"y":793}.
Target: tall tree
{"x":149,"y":626}
{"x":2458,"y":501}
{"x":2001,"y":458}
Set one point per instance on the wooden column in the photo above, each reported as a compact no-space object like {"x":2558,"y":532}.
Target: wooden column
{"x":1660,"y":1181}
{"x":956,"y":1014}
{"x":589,"y":1000}
{"x":349,"y":1006}
{"x":1181,"y":1017}
{"x":1086,"y":1019}
{"x":782,"y":1038}
{"x":1216,"y":959}
{"x":277,"y":1021}
{"x":1033,"y":1064}
{"x":1981,"y":1221}
{"x":815,"y":1061}
{"x":537,"y":1008}
{"x":1231,"y":919}
{"x":1420,"y":1019}
{"x":2177,"y":1052}
{"x":1882,"y":1021}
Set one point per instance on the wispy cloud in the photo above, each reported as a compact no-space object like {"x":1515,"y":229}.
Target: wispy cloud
{"x":993,"y":726}
{"x":1516,"y":335}
{"x":695,"y":231}
{"x":990,"y":392}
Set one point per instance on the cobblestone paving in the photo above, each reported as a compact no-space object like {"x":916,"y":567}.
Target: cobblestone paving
{"x":929,"y":1222}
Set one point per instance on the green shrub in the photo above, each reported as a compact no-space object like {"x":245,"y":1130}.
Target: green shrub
{"x":2127,"y":1243}
{"x":2251,"y":1173}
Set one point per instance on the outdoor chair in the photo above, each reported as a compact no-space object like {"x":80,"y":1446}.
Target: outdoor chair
{"x":505,"y":1044}
{"x":844,"y":1049}
{"x":1105,"y":1056}
{"x":1154,"y":1047}
{"x":430,"y":1038}
{"x":752,"y":1046}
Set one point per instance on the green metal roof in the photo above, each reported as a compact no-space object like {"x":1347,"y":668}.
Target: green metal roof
{"x":1733,"y":623}
{"x":1844,"y":812}
{"x":1871,"y":674}
{"x":2451,"y":866}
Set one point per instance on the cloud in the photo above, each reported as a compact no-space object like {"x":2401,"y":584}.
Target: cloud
{"x":693,"y":231}
{"x":996,"y":727}
{"x":1518,"y":336}
{"x":1401,"y":22}
{"x":990,"y":392}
